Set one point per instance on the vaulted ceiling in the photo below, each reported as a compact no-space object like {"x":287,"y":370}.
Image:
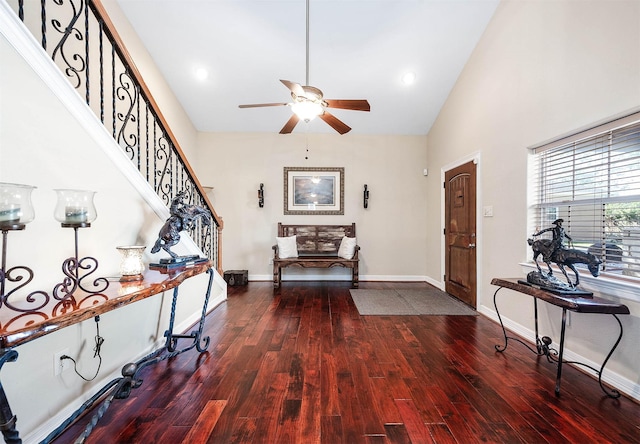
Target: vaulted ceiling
{"x":218,"y":54}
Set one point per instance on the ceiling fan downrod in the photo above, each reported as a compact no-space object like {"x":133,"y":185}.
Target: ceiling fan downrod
{"x":307,"y":78}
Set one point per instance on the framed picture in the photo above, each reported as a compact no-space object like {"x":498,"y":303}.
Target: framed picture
{"x":313,"y":190}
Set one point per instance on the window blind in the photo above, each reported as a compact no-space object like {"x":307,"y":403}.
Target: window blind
{"x":591,"y":180}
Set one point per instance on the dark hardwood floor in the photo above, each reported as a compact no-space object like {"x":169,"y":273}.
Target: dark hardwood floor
{"x":302,"y":366}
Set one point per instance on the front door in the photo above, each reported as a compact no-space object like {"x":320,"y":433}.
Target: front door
{"x":460,"y":232}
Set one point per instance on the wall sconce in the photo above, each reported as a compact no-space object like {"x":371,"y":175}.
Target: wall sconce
{"x":75,"y":209}
{"x":261,"y":196}
{"x":366,"y":196}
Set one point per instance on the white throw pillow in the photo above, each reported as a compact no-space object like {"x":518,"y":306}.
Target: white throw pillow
{"x":287,"y":247}
{"x":347,"y":247}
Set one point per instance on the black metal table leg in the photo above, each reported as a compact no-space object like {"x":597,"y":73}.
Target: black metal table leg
{"x":504,"y":331}
{"x":196,"y":335}
{"x":543,"y":346}
{"x":610,"y":393}
{"x":7,"y":418}
{"x":562,"y":330}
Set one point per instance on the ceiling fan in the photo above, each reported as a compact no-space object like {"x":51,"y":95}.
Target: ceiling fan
{"x":309,"y":102}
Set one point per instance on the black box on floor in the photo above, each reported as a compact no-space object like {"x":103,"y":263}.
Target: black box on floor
{"x":236,"y":277}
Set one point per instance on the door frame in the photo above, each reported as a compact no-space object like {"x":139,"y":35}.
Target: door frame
{"x":475,"y":158}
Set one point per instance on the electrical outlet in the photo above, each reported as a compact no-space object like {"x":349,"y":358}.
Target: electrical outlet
{"x":61,"y":365}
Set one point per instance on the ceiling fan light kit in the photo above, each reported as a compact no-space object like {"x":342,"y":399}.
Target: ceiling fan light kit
{"x":307,"y":111}
{"x":308,"y":102}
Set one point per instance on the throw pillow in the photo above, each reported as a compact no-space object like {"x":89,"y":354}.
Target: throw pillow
{"x":347,"y":247}
{"x":287,"y":247}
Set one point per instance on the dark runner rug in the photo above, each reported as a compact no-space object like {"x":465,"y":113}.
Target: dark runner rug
{"x":409,"y":302}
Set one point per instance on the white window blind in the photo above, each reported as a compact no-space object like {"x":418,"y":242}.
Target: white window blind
{"x":592,"y":181}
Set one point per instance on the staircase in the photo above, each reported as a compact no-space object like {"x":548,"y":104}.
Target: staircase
{"x":83,"y":43}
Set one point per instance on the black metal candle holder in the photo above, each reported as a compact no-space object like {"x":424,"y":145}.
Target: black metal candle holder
{"x":73,"y":269}
{"x":19,"y":274}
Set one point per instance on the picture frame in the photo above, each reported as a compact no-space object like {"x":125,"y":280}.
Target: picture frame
{"x":313,"y":190}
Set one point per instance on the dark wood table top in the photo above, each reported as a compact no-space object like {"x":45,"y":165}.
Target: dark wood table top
{"x":579,"y":304}
{"x":17,"y":328}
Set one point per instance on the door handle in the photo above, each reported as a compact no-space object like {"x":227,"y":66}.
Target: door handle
{"x":472,"y":245}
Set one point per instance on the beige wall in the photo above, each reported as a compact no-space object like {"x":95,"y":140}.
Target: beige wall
{"x":542,"y":69}
{"x":390,"y":232}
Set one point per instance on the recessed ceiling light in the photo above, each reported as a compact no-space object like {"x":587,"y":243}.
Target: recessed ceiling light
{"x":409,"y":78}
{"x":201,"y":73}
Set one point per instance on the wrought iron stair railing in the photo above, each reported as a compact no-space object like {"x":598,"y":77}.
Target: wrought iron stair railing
{"x":82,"y":41}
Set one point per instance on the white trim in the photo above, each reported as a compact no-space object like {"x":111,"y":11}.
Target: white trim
{"x":475,"y":158}
{"x":341,"y":278}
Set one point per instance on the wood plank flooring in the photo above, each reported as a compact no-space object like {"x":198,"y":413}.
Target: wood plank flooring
{"x":302,"y":366}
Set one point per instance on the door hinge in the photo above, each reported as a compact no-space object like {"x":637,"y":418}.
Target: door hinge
{"x":444,"y":231}
{"x":444,"y":184}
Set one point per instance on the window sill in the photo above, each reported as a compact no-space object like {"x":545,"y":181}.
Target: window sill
{"x":607,"y":287}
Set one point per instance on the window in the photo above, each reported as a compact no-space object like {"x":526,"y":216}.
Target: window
{"x":591,"y":180}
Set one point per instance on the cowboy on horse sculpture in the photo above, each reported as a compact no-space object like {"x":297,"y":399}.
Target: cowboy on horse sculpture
{"x":553,"y":250}
{"x":182,"y":217}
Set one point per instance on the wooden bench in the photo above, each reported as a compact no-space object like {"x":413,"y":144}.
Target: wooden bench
{"x":318,"y":247}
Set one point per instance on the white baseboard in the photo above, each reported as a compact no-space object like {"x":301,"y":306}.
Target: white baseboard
{"x":336,"y":277}
{"x":622,"y":384}
{"x":437,"y":284}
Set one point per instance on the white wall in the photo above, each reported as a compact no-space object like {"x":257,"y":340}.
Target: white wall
{"x":46,"y":140}
{"x":542,"y":69}
{"x":390,"y":232}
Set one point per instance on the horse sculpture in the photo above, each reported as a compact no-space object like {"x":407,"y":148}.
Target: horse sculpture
{"x":182,"y":218}
{"x":562,"y":257}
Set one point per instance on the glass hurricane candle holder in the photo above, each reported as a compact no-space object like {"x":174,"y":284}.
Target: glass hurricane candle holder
{"x":16,"y":208}
{"x":131,"y":267}
{"x":75,"y":208}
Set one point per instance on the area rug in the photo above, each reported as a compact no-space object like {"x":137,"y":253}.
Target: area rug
{"x":409,"y":302}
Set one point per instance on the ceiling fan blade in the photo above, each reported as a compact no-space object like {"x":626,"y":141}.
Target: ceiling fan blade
{"x":294,"y":87}
{"x":335,"y":123}
{"x":290,"y":125}
{"x":256,"y":105}
{"x":356,"y":105}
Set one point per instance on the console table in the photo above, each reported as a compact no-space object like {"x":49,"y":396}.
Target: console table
{"x":578,"y":304}
{"x":19,"y":328}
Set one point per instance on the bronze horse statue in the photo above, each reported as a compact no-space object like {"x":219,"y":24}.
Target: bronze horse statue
{"x":182,"y":218}
{"x":564,"y":257}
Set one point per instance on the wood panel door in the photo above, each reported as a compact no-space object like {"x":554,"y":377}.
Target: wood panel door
{"x":460,"y":232}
